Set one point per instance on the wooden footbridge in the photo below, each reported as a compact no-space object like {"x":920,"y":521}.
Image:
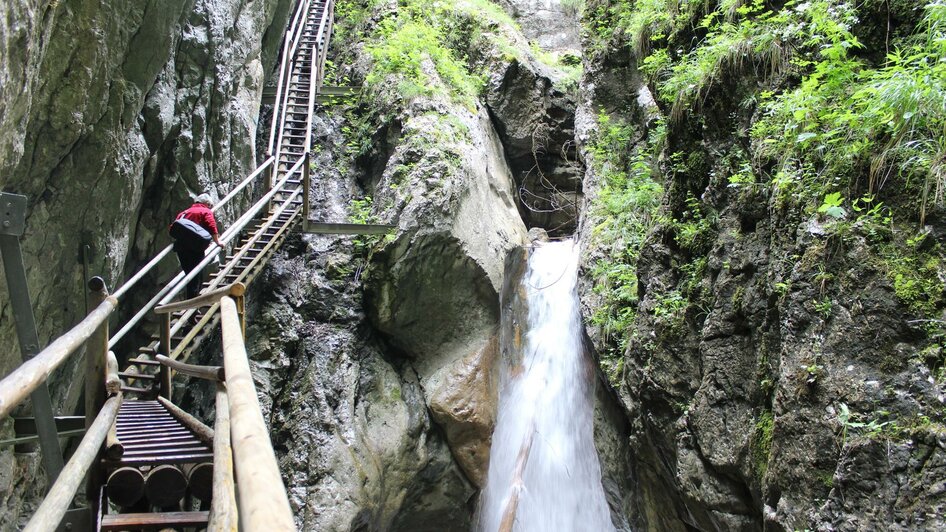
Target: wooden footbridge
{"x":144,"y":463}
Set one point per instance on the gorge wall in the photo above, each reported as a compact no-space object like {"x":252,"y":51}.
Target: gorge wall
{"x":377,"y":355}
{"x":769,"y":306}
{"x":115,"y":114}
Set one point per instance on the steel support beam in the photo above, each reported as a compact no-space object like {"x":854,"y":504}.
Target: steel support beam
{"x":12,"y":226}
{"x":346,"y":229}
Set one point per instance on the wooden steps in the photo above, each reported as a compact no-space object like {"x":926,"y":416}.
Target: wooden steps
{"x":154,"y":521}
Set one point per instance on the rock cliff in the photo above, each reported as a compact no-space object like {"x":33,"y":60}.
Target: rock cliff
{"x":775,"y":322}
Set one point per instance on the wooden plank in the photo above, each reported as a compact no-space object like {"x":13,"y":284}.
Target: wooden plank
{"x":140,"y":404}
{"x":132,"y":432}
{"x":164,"y":444}
{"x":141,"y":423}
{"x":143,"y":376}
{"x":264,"y":504}
{"x":139,"y":461}
{"x":143,"y":362}
{"x":132,"y":389}
{"x":152,"y":416}
{"x":170,"y":450}
{"x":125,"y":430}
{"x":153,"y":521}
{"x":154,"y":433}
{"x":142,"y":442}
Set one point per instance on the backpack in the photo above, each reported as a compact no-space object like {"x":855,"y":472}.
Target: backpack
{"x":190,"y":235}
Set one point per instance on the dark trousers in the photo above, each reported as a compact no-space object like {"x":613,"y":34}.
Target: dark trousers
{"x":189,"y":259}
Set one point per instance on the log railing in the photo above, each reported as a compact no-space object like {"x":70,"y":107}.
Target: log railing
{"x":26,"y":378}
{"x":242,"y":448}
{"x":57,"y":501}
{"x":101,"y":381}
{"x":263,"y":503}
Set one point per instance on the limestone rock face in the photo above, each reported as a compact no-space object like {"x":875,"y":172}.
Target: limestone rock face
{"x":462,"y":399}
{"x":455,"y":228}
{"x":552,"y":24}
{"x":749,"y":413}
{"x":433,"y":292}
{"x":114,"y":115}
{"x":354,"y":421}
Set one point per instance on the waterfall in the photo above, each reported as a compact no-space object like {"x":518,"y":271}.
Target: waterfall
{"x":543,"y":471}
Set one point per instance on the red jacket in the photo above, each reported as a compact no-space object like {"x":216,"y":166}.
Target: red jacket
{"x":201,"y":215}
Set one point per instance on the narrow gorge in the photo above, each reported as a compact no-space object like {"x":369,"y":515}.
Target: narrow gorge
{"x":754,"y":191}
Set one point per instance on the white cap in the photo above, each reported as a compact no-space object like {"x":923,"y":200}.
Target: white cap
{"x":205,"y":199}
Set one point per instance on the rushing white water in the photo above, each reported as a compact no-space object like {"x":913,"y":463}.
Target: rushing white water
{"x":543,"y":467}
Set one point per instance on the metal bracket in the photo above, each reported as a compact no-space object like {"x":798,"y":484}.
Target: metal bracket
{"x":12,"y":214}
{"x":12,"y":225}
{"x":347,"y":229}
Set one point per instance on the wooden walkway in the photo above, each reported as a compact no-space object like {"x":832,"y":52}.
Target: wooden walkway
{"x":146,"y":464}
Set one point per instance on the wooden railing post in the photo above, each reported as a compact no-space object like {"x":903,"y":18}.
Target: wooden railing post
{"x":96,"y":355}
{"x":165,"y":372}
{"x":223,"y":508}
{"x":241,"y":310}
{"x":96,"y":364}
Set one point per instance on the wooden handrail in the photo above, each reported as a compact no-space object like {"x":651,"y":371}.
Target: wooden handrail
{"x":203,"y":432}
{"x":113,"y":383}
{"x":203,"y":300}
{"x":232,"y":232}
{"x":130,"y":283}
{"x":16,"y":386}
{"x":57,"y":501}
{"x":223,"y":508}
{"x":265,"y":506}
{"x":210,"y":373}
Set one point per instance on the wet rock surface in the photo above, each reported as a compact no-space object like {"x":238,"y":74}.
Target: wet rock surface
{"x":779,"y":399}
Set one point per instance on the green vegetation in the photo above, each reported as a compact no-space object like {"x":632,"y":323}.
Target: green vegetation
{"x":407,"y":47}
{"x":853,"y":122}
{"x":840,"y":117}
{"x":361,"y":212}
{"x":625,"y":210}
{"x":435,"y":49}
{"x":760,"y":445}
{"x":915,"y":277}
